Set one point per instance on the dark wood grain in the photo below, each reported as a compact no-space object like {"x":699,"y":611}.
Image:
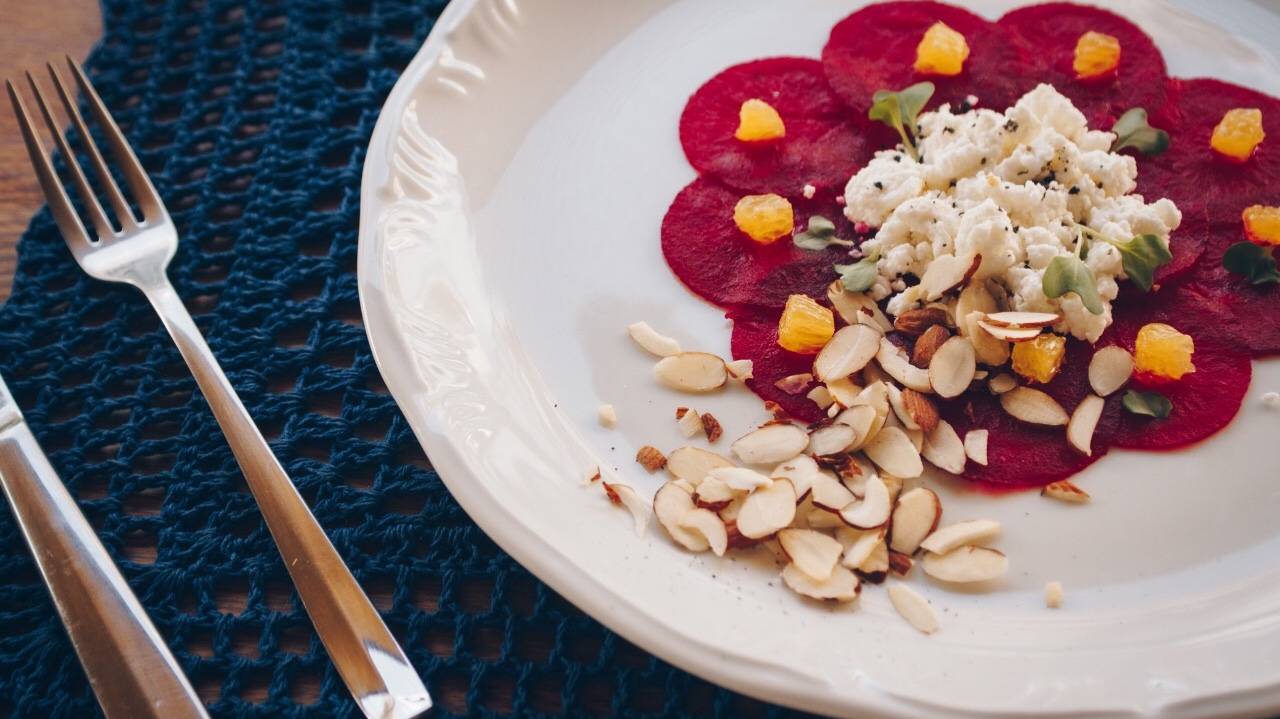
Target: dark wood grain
{"x":32,"y":33}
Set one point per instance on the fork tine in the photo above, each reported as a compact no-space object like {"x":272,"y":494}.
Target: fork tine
{"x":145,"y":193}
{"x":118,"y":203}
{"x":64,"y":214}
{"x":99,"y":217}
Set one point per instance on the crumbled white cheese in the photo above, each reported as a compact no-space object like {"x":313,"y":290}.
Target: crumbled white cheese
{"x":808,"y":191}
{"x":1271,"y":400}
{"x":1015,"y":187}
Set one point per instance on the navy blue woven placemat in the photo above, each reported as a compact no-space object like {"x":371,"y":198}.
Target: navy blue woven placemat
{"x":253,"y":117}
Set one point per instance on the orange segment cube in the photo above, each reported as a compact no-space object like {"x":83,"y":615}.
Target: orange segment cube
{"x":1097,"y":55}
{"x":764,"y":218}
{"x":1040,"y":359}
{"x":942,"y":51}
{"x":1162,"y":351}
{"x":758,"y":121}
{"x":805,"y":325}
{"x":1238,"y":134}
{"x":1262,"y":224}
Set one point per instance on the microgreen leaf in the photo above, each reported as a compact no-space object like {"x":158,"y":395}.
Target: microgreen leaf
{"x":900,"y":110}
{"x":859,"y":276}
{"x":1068,"y":273}
{"x":1141,"y":256}
{"x":1132,"y":130}
{"x":820,"y":235}
{"x":1257,"y":264}
{"x":1150,"y":404}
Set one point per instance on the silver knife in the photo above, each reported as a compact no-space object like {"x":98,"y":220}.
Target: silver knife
{"x":131,"y":670}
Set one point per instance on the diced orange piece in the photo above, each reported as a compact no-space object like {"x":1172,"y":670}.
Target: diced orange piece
{"x":1040,"y":359}
{"x":1238,"y":134}
{"x":1163,"y":352}
{"x":758,"y":121}
{"x":764,"y":218}
{"x":805,"y":325}
{"x":942,"y":51}
{"x":1262,"y":224}
{"x":1097,"y":55}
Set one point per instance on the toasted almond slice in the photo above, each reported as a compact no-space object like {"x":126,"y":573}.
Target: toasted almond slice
{"x":946,"y":272}
{"x":989,"y":349}
{"x":915,"y":518}
{"x":814,"y":553}
{"x":848,"y":351}
{"x":895,"y":363}
{"x":947,"y":538}
{"x":975,"y":297}
{"x":975,"y":445}
{"x":771,"y":444}
{"x":841,"y":586}
{"x":730,"y":511}
{"x":692,"y":464}
{"x":740,"y":478}
{"x":651,"y":458}
{"x":1022,"y":319}
{"x":1002,"y":383}
{"x":767,"y":510}
{"x":967,"y":564}
{"x":714,"y":491}
{"x":900,"y":408}
{"x":822,"y":519}
{"x":861,"y":419}
{"x":1109,"y":369}
{"x":709,"y":527}
{"x":944,"y":448}
{"x":821,"y":396}
{"x":691,"y":372}
{"x":927,"y":344}
{"x":1084,"y":420}
{"x":894,"y":485}
{"x":801,"y":470}
{"x":794,"y":384}
{"x":652,"y":342}
{"x":916,"y":436}
{"x":893,"y":452}
{"x":917,"y":321}
{"x":843,"y":391}
{"x":873,"y":373}
{"x":740,"y":370}
{"x":1034,"y":406}
{"x":1053,"y":594}
{"x":859,"y":544}
{"x":1010,"y":334}
{"x":900,"y":564}
{"x":952,"y":367}
{"x":831,"y":439}
{"x":856,"y":307}
{"x":921,"y":409}
{"x":913,"y":608}
{"x":670,"y":504}
{"x":829,"y":493}
{"x":873,"y":510}
{"x":623,"y":494}
{"x":1064,"y":490}
{"x":607,"y":415}
{"x":689,"y":422}
{"x":876,"y":565}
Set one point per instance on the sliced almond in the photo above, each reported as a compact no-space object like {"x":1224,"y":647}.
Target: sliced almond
{"x":714,"y":491}
{"x":709,"y":526}
{"x":814,"y":553}
{"x":691,"y":372}
{"x":967,"y":564}
{"x":1053,"y":595}
{"x":830,"y":493}
{"x":651,"y":341}
{"x":1010,"y":334}
{"x":1109,"y":369}
{"x":841,"y":586}
{"x":843,"y":391}
{"x":989,"y":349}
{"x":916,"y":322}
{"x":975,"y":297}
{"x":801,"y":470}
{"x":900,"y":408}
{"x":832,"y":439}
{"x":856,"y":307}
{"x":729,"y":513}
{"x":923,"y":413}
{"x":928,"y":343}
{"x":689,"y":422}
{"x":873,"y":373}
{"x":859,"y":544}
{"x":893,"y":452}
{"x":822,"y":519}
{"x":913,"y":607}
{"x":794,"y":383}
{"x":1022,"y":319}
{"x":944,"y":448}
{"x":900,"y":564}
{"x":894,"y":485}
{"x":874,"y":508}
{"x":1084,"y":420}
{"x":1002,"y":383}
{"x":692,"y":464}
{"x":670,"y":504}
{"x":771,"y":444}
{"x":860,"y":418}
{"x":767,"y":510}
{"x":876,"y":565}
{"x":975,"y":445}
{"x":740,"y":370}
{"x":623,"y":494}
{"x":945,"y":273}
{"x":651,"y":458}
{"x":915,"y":518}
{"x":895,"y":363}
{"x":821,"y":396}
{"x":947,"y":538}
{"x":607,"y":415}
{"x":848,"y":351}
{"x":1034,"y":406}
{"x":740,"y":478}
{"x":952,"y":367}
{"x":1064,"y":490}
{"x":876,"y":396}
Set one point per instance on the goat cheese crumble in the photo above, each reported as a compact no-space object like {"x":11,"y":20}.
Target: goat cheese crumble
{"x":1016,"y":188}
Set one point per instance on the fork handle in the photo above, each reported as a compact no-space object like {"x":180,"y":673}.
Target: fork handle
{"x":367,"y":657}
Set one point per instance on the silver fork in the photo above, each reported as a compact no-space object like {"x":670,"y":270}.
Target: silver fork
{"x":367,"y":657}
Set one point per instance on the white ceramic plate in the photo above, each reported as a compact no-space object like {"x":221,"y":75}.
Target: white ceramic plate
{"x":511,"y":202}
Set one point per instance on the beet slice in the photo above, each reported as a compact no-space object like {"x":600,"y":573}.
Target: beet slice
{"x":1020,"y":454}
{"x":1194,"y":176}
{"x":755,"y":337}
{"x":712,"y":257}
{"x":1186,"y":245}
{"x":875,"y":49}
{"x":1053,"y":29}
{"x":1204,"y":401}
{"x":821,"y":147}
{"x":1252,"y":311}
